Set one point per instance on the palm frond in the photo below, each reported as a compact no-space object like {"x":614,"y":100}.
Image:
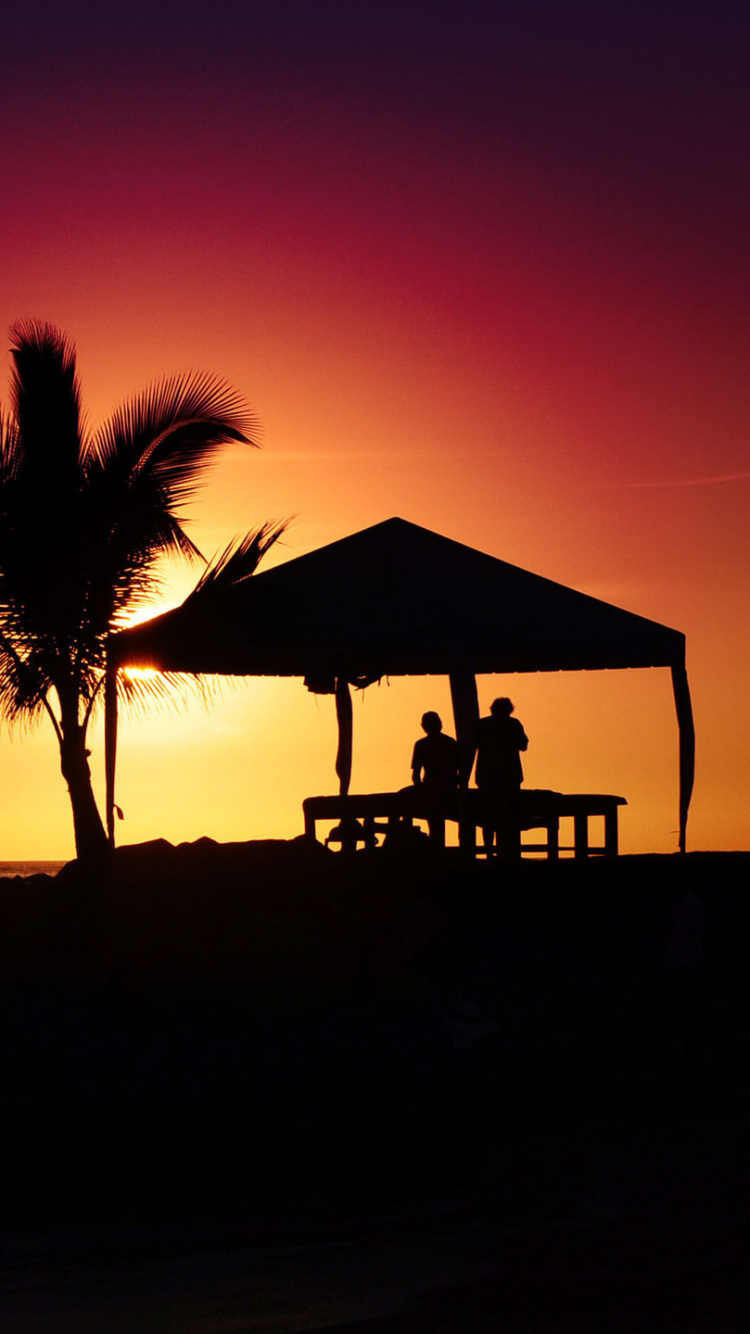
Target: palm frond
{"x":238,"y":561}
{"x":139,"y":470}
{"x":172,"y":430}
{"x":46,"y":402}
{"x":24,"y":685}
{"x":41,"y":531}
{"x":10,"y":453}
{"x":43,"y":570}
{"x":165,"y":690}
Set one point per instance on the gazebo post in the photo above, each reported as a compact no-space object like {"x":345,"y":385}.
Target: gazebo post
{"x":110,"y":742}
{"x":346,"y":726}
{"x":466,"y":718}
{"x":687,"y":744}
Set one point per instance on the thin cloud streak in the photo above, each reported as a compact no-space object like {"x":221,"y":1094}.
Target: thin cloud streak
{"x":353,"y":456}
{"x":680,"y":481}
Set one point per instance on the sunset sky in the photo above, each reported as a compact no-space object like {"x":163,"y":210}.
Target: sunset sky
{"x":480,"y":265}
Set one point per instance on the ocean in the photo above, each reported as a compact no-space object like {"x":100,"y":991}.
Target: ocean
{"x":26,"y":869}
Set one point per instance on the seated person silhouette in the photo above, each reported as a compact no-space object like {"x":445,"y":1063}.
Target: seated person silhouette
{"x":499,"y":774}
{"x":434,"y":769}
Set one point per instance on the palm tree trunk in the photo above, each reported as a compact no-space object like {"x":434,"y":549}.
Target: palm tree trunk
{"x":91,"y":840}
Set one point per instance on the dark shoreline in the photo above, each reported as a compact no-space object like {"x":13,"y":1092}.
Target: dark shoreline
{"x":210,"y":1017}
{"x":488,"y":1078}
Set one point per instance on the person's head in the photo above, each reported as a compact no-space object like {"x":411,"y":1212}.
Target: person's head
{"x":501,"y":708}
{"x":432,"y":723}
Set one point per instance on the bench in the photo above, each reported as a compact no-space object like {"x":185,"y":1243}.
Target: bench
{"x":359,"y":813}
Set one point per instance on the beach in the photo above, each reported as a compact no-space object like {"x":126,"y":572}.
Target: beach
{"x":637,"y":1242}
{"x":264,"y":1086}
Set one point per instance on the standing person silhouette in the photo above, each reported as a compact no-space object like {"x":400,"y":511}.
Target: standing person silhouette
{"x":434,"y":769}
{"x":499,"y":774}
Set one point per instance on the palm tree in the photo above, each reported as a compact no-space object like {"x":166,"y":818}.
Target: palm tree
{"x":84,"y":519}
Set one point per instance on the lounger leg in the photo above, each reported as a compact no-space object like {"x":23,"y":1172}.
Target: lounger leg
{"x":467,"y":837}
{"x":508,"y":832}
{"x":368,"y":823}
{"x":581,"y":835}
{"x":349,"y":842}
{"x":610,"y":833}
{"x":436,"y":830}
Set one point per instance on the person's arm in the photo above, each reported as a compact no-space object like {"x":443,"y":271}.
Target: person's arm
{"x":523,"y":740}
{"x":416,"y":766}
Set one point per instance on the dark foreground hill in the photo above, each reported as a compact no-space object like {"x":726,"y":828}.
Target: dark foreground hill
{"x":212,"y":1020}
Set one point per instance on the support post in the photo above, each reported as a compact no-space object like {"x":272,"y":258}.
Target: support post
{"x":346,"y":727}
{"x":466,"y":719}
{"x":110,"y":745}
{"x":581,"y":834}
{"x":687,"y":744}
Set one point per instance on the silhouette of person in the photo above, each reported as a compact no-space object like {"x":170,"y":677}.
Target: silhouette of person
{"x":434,"y":769}
{"x":499,"y":774}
